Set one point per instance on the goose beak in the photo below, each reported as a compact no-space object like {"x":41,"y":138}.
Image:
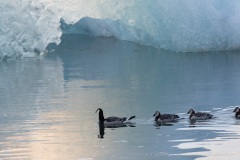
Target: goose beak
{"x":235,"y":110}
{"x":97,"y":110}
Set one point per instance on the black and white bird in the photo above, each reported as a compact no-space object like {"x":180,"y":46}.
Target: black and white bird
{"x":112,"y":120}
{"x":165,"y":117}
{"x":237,"y":112}
{"x":199,"y":115}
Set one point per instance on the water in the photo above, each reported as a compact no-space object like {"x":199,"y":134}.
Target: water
{"x":48,"y":104}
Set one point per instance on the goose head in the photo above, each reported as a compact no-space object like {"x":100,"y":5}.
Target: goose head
{"x":237,"y":109}
{"x":157,"y":115}
{"x":99,"y":109}
{"x":100,"y":115}
{"x":191,"y":111}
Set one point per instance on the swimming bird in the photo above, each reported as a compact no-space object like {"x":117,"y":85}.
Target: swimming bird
{"x":165,"y":117}
{"x":237,"y":112}
{"x":112,"y":120}
{"x":199,"y":115}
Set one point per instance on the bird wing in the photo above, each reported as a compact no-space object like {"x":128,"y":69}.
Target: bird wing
{"x":115,"y":119}
{"x":167,"y":116}
{"x":202,"y":114}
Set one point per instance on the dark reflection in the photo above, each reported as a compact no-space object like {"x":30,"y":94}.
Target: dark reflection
{"x":194,"y":123}
{"x":168,"y":123}
{"x":102,"y":127}
{"x":101,"y":130}
{"x":120,"y":125}
{"x":158,"y":124}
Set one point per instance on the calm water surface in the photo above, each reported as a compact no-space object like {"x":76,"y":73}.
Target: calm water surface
{"x":47,"y":105}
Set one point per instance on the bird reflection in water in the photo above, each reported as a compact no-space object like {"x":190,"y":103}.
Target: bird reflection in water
{"x":196,"y":123}
{"x":101,"y":130}
{"x":192,"y":123}
{"x":102,"y":127}
{"x":158,"y":124}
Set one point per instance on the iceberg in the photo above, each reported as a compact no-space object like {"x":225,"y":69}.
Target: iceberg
{"x":28,"y":26}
